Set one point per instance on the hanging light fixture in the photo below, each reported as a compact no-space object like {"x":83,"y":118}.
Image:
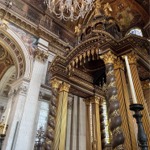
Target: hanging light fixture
{"x":69,"y":9}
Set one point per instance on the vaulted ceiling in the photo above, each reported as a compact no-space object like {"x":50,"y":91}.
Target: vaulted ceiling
{"x":127,"y":13}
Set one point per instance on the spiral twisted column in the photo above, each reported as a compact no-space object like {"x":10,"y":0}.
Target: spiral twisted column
{"x":114,"y":112}
{"x":132,"y":58}
{"x":127,"y":123}
{"x":52,"y":115}
{"x":104,"y":121}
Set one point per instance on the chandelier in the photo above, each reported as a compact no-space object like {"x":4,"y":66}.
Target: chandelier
{"x":69,"y":9}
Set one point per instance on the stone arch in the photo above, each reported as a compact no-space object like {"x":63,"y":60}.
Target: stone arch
{"x":18,"y":51}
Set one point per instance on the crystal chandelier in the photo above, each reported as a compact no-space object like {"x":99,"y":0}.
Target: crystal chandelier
{"x":69,"y":9}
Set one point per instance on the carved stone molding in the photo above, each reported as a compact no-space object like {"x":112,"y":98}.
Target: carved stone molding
{"x":108,"y":57}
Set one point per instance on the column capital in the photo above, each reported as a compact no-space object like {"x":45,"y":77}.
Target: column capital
{"x":118,"y":64}
{"x":95,"y":100}
{"x":65,"y":87}
{"x":132,"y":57}
{"x":41,"y":55}
{"x":108,"y":57}
{"x":55,"y":83}
{"x":87,"y":101}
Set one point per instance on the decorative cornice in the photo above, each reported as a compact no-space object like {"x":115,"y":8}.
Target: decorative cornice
{"x":108,"y":57}
{"x":33,"y":28}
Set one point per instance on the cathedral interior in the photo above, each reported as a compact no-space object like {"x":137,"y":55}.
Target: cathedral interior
{"x":69,"y":83}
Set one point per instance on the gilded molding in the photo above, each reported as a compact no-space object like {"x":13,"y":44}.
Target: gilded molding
{"x":108,"y":57}
{"x":65,"y":87}
{"x":118,"y":64}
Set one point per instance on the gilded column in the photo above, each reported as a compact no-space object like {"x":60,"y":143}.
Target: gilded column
{"x":61,"y":118}
{"x":96,"y":143}
{"x":139,"y":92}
{"x":123,"y":97}
{"x":114,"y":106}
{"x":52,"y":115}
{"x":88,"y":126}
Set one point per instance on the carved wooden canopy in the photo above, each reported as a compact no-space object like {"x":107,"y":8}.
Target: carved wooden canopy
{"x":84,"y":69}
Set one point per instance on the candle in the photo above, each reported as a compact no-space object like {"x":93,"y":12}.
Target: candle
{"x":130,"y":81}
{"x":5,"y":125}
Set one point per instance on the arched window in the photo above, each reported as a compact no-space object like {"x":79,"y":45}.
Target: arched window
{"x":135,"y":31}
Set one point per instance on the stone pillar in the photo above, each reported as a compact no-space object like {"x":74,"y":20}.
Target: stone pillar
{"x":22,"y":136}
{"x":96,"y":143}
{"x":52,"y":114}
{"x":123,"y":97}
{"x":139,"y":93}
{"x":89,"y":137}
{"x":61,"y":118}
{"x":114,"y":106}
{"x":17,"y":99}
